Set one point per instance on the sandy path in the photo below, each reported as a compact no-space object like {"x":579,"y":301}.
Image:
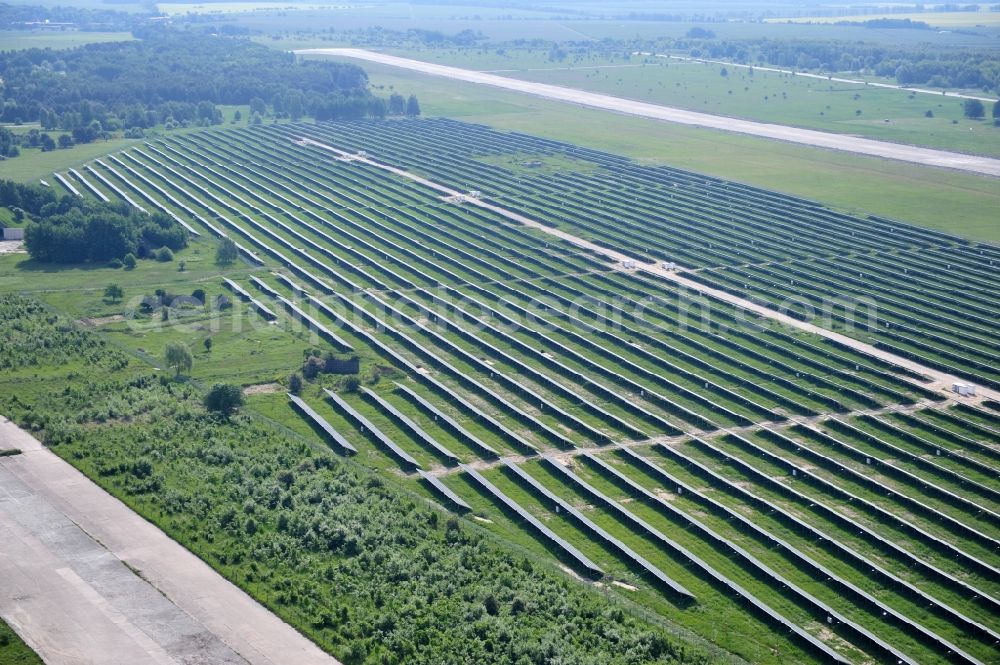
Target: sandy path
{"x":942,"y":381}
{"x":12,"y":247}
{"x":846,"y":143}
{"x":68,"y":552}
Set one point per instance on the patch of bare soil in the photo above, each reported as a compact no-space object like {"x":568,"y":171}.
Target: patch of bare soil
{"x":625,"y":586}
{"x":12,"y":247}
{"x":664,"y":494}
{"x":102,"y":320}
{"x":263,"y":389}
{"x":569,"y":571}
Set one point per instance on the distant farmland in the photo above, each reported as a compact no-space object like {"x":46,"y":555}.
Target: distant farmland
{"x":784,"y":495}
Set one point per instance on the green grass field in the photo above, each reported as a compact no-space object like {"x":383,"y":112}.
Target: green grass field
{"x":13,"y":651}
{"x":33,"y":164}
{"x":889,"y":115}
{"x":951,"y":201}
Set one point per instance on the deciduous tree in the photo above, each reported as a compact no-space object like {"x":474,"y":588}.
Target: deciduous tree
{"x":226,"y":252}
{"x":178,"y":357}
{"x":113,"y":292}
{"x":224,"y":398}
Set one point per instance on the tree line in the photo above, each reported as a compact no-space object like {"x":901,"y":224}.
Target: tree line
{"x":909,"y":64}
{"x":27,"y":17}
{"x":71,"y":229}
{"x":174,"y":78}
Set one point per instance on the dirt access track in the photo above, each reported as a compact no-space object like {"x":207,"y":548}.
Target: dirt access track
{"x":897,"y":151}
{"x":85,"y":580}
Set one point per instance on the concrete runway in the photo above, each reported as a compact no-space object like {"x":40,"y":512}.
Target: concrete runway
{"x":85,"y":581}
{"x":843,"y":142}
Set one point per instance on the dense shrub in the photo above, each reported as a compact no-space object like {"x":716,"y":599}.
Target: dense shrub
{"x":32,"y":336}
{"x":226,"y":252}
{"x":163,"y":255}
{"x":224,"y":398}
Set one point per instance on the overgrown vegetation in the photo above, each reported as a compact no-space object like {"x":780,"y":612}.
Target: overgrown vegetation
{"x":13,"y":651}
{"x":370,"y":573}
{"x":34,"y":337}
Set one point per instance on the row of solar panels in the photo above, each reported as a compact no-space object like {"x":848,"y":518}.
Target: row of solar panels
{"x":820,"y":607}
{"x":229,"y":223}
{"x":614,"y":320}
{"x":914,"y":317}
{"x":581,"y":215}
{"x":934,"y":467}
{"x":819,"y":571}
{"x":920,"y":301}
{"x":883,"y":466}
{"x":348,"y":248}
{"x":919,"y":271}
{"x":575,"y":323}
{"x":248,"y":254}
{"x":473,"y":252}
{"x":862,"y":563}
{"x":642,"y":326}
{"x":887,"y":337}
{"x":877,"y":512}
{"x":392,"y":354}
{"x":845,"y":586}
{"x":474,"y":172}
{"x":768,"y":201}
{"x":965,"y":441}
{"x":423,"y":143}
{"x":526,"y":370}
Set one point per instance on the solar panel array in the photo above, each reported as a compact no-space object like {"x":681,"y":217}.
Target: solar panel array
{"x":833,"y":496}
